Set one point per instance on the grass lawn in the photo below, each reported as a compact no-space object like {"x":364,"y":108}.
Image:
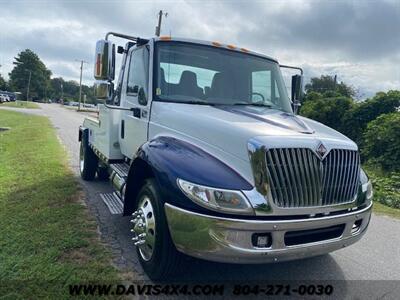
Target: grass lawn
{"x":20,"y":104}
{"x":86,"y":109}
{"x":47,"y":238}
{"x":382,"y":209}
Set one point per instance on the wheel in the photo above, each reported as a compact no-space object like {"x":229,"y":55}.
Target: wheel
{"x":157,"y":254}
{"x":88,"y":162}
{"x":102,"y":173}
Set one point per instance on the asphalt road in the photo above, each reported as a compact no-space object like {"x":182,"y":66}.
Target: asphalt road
{"x":375,"y":257}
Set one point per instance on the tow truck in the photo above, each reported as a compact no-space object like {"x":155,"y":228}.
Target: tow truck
{"x":209,"y":158}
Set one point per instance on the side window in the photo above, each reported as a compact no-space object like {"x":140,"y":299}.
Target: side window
{"x":261,"y":86}
{"x":138,"y":72}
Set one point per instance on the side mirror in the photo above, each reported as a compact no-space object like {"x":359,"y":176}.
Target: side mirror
{"x":104,"y":67}
{"x":103,"y":90}
{"x":297,"y":91}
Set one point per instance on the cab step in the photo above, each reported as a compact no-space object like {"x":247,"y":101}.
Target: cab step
{"x":113,"y":203}
{"x":121,"y":168}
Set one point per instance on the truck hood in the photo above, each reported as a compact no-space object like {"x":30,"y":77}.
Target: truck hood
{"x":230,"y":128}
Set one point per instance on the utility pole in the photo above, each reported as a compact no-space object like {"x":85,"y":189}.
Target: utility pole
{"x":160,"y":15}
{"x":80,"y":83}
{"x":29,"y":84}
{"x":62,"y":93}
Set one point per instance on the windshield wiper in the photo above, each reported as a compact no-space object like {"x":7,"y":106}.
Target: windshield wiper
{"x":252,"y":104}
{"x":198,"y":102}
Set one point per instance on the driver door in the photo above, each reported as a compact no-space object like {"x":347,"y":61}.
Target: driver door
{"x":134,"y":123}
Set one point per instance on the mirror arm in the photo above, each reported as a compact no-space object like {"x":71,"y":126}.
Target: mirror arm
{"x":291,"y":67}
{"x":135,"y":39}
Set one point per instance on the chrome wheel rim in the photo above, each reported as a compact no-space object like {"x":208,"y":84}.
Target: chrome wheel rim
{"x":144,"y":228}
{"x":81,"y":159}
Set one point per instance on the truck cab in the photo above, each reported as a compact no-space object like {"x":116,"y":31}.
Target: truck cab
{"x":208,"y":156}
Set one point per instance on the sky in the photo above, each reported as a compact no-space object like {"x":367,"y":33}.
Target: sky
{"x":359,"y":41}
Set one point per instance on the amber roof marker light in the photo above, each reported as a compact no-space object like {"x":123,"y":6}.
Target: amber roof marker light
{"x":165,"y":38}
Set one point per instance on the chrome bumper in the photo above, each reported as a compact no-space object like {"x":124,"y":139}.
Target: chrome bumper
{"x":230,"y":240}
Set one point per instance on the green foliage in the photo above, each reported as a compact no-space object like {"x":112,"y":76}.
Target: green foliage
{"x":386,"y":185}
{"x":382,"y":141}
{"x":3,"y":84}
{"x":329,"y":111}
{"x":70,"y":90}
{"x":25,"y":61}
{"x":327,"y":84}
{"x":362,"y":113}
{"x":312,"y":95}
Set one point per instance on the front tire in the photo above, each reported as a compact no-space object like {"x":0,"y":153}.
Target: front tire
{"x":88,"y":162}
{"x":155,"y":249}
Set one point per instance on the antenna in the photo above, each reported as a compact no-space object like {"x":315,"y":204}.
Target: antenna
{"x":160,"y":15}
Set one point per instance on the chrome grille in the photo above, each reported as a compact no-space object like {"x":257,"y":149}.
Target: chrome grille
{"x":298,"y":178}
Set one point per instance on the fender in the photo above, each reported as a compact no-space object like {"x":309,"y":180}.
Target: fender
{"x":83,"y":132}
{"x":170,"y":158}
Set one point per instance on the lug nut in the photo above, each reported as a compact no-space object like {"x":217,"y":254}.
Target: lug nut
{"x":135,"y":239}
{"x":142,"y":235}
{"x":138,"y":243}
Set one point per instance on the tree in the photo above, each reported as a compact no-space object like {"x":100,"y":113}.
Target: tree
{"x":70,"y":90}
{"x":329,"y":111}
{"x":3,"y":83}
{"x":27,"y":61}
{"x":357,"y":118}
{"x":327,"y":84}
{"x":382,"y":141}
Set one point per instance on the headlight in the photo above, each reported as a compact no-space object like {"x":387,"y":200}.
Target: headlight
{"x":366,"y":185}
{"x":367,"y":189}
{"x":363,"y":177}
{"x":216,"y":199}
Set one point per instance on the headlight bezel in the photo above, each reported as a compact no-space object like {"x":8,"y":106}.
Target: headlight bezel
{"x":212,"y":203}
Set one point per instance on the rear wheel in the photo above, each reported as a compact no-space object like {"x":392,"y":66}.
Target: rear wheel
{"x":157,"y":254}
{"x":88,"y":162}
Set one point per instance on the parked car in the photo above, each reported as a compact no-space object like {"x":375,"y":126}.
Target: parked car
{"x":11,"y":96}
{"x":5,"y":97}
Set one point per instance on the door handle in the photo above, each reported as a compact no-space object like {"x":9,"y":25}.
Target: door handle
{"x":136,"y":112}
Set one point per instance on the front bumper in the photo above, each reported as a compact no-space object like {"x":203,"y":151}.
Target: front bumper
{"x":232,"y":241}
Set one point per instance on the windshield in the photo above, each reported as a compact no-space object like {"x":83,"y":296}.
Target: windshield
{"x":191,"y":73}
